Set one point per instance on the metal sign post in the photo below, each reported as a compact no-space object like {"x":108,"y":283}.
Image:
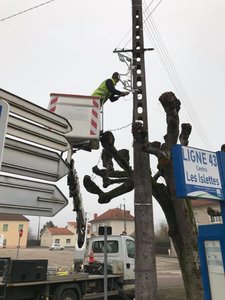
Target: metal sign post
{"x":4,"y":114}
{"x":105,"y":263}
{"x":106,"y":230}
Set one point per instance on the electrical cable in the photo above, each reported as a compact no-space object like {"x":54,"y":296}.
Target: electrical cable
{"x":173,"y":75}
{"x":26,"y":10}
{"x":165,"y":58}
{"x":131,"y":30}
{"x":170,"y":68}
{"x":120,"y":128}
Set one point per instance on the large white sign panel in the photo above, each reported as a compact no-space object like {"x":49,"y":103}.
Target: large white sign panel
{"x":215,"y":269}
{"x":20,"y":196}
{"x":20,"y":121}
{"x":197,"y":173}
{"x":201,"y":169}
{"x":31,"y":161}
{"x":4,"y":114}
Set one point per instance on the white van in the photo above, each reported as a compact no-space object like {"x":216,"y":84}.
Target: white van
{"x":120,"y":256}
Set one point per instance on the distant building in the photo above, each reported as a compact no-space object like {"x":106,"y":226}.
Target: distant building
{"x":72,"y":226}
{"x":10,"y":225}
{"x":201,"y":209}
{"x":117,"y":218}
{"x":201,"y":215}
{"x":63,"y":236}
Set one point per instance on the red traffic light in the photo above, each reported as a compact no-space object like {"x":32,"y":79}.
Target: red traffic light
{"x":20,"y":232}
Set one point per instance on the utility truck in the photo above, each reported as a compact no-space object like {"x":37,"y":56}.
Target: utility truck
{"x":31,"y":279}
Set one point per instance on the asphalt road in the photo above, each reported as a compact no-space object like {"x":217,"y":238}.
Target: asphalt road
{"x":168,"y":270}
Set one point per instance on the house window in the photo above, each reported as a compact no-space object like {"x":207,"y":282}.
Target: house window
{"x":215,"y":219}
{"x":5,"y":227}
{"x":57,"y":241}
{"x":101,"y":225}
{"x":20,"y":227}
{"x":68,"y":241}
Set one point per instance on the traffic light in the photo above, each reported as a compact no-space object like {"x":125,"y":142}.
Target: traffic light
{"x":101,"y":230}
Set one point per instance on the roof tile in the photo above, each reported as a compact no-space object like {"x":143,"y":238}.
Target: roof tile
{"x":114,"y":214}
{"x":12,"y":217}
{"x":59,"y":231}
{"x":204,"y":202}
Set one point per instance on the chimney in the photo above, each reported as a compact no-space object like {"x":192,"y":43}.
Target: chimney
{"x":95,"y":216}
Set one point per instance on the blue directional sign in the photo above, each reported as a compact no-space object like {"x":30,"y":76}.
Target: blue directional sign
{"x":198,"y":173}
{"x":221,"y":163}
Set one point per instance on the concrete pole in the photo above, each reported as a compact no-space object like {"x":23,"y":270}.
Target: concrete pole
{"x":145,"y":262}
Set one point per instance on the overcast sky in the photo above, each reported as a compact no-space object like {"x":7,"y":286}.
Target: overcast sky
{"x":66,"y":46}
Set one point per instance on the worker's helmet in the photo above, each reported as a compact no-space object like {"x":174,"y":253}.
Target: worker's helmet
{"x":116,"y":76}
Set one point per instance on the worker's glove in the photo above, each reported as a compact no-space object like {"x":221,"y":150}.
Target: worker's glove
{"x":124,"y":94}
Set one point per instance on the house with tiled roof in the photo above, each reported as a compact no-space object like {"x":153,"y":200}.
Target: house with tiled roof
{"x":10,"y":226}
{"x":61,"y":235}
{"x":206,"y":211}
{"x":120,"y":221}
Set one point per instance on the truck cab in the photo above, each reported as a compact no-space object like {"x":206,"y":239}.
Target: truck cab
{"x":120,"y":257}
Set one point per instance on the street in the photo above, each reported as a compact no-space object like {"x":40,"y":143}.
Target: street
{"x":168,"y":271}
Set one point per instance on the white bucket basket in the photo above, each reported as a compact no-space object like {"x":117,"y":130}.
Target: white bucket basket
{"x":83,"y":113}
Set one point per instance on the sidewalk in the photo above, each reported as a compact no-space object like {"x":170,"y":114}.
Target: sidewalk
{"x":171,"y":293}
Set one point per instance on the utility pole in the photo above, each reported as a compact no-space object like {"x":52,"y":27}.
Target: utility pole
{"x":145,"y":262}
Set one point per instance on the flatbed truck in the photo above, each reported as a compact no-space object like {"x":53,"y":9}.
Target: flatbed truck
{"x":28,"y":279}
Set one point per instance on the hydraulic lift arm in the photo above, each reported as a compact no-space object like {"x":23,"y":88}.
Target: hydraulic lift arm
{"x":74,"y":188}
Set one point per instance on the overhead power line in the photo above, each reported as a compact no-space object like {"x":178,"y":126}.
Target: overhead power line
{"x":173,"y":75}
{"x":168,"y":65}
{"x":128,"y":33}
{"x":26,"y":10}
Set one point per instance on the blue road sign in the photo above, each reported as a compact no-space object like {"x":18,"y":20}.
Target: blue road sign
{"x":197,"y":173}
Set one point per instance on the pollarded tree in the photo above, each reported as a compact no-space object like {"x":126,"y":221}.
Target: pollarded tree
{"x":178,"y":212}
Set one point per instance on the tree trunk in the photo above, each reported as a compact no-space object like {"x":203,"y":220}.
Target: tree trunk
{"x":184,"y":237}
{"x":178,"y":212}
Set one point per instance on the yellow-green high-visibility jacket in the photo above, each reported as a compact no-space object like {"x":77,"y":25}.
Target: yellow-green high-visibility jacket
{"x":103,"y":91}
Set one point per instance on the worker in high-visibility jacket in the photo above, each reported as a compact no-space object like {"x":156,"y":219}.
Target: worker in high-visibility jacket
{"x":107,"y":90}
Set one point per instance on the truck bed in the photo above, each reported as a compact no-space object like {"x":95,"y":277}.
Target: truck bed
{"x":92,"y":285}
{"x":61,"y":278}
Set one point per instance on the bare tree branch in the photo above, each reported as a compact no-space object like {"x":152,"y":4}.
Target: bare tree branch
{"x":109,"y":175}
{"x":185,"y":133}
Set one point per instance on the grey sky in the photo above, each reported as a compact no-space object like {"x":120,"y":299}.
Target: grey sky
{"x":67,"y":47}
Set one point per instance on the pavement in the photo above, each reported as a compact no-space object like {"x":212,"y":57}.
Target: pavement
{"x":168,"y":270}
